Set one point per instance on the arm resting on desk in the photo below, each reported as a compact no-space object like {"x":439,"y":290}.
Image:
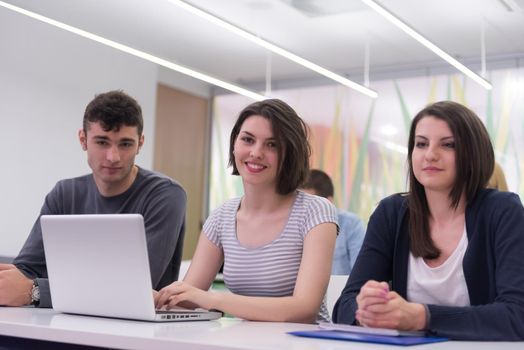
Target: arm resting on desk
{"x":15,"y":287}
{"x":302,"y":306}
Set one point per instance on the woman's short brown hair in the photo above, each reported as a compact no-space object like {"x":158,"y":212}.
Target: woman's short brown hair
{"x":291,"y":135}
{"x":474,"y":162}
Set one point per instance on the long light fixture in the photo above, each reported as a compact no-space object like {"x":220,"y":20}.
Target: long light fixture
{"x":274,"y":48}
{"x":421,"y":39}
{"x":141,"y":54}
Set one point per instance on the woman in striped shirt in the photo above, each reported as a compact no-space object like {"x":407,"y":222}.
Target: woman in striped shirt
{"x":276,"y":243}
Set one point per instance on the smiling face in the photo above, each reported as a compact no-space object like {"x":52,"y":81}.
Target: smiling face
{"x":433,"y":157}
{"x":256,"y":152}
{"x":111,"y":156}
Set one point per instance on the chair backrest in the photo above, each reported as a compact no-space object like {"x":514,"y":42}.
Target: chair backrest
{"x":184,"y":266}
{"x":335,"y":287}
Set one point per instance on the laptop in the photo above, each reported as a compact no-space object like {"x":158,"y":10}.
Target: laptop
{"x":98,"y":265}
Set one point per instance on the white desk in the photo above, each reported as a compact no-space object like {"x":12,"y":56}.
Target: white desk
{"x":46,"y":324}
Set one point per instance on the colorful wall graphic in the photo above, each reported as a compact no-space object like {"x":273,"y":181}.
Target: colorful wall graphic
{"x":361,"y":143}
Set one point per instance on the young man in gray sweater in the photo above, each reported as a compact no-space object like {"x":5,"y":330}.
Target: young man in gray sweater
{"x":111,"y":136}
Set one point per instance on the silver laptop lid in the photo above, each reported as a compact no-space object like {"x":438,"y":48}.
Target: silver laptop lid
{"x":98,"y":265}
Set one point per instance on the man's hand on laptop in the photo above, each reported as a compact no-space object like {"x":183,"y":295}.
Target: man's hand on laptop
{"x":183,"y":294}
{"x":15,"y":287}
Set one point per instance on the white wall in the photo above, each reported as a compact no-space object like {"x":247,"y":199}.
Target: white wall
{"x":47,"y":76}
{"x":185,"y":83}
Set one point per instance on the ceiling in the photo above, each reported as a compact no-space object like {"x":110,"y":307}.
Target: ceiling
{"x":336,"y":41}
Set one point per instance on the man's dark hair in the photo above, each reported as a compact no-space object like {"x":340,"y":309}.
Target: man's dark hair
{"x":291,"y":135}
{"x":114,"y":109}
{"x":320,"y":182}
{"x":474,"y":163}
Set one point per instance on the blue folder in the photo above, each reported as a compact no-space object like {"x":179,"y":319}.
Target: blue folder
{"x":368,"y":338}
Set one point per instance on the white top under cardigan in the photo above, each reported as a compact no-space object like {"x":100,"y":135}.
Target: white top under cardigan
{"x":442,"y":285}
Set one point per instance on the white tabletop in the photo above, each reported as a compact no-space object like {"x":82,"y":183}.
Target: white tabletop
{"x":46,"y":324}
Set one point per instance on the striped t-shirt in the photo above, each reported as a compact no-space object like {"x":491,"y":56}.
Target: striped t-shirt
{"x":270,"y":270}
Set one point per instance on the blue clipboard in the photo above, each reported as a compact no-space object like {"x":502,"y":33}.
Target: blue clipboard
{"x":368,"y":338}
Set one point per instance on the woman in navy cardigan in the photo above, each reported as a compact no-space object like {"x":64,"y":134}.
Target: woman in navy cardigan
{"x":446,"y":257}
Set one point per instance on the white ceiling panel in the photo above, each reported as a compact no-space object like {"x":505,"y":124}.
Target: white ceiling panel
{"x":335,"y":41}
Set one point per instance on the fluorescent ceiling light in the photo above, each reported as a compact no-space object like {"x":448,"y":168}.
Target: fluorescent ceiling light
{"x":275,"y":49}
{"x":513,"y":5}
{"x":421,"y":39}
{"x":141,"y":54}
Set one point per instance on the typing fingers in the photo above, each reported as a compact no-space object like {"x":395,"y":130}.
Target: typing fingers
{"x":163,"y":296}
{"x":174,"y":300}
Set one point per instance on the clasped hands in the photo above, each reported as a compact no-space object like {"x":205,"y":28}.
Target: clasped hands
{"x":381,"y":308}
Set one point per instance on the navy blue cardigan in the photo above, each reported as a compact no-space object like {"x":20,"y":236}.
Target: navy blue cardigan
{"x":493,"y":268}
